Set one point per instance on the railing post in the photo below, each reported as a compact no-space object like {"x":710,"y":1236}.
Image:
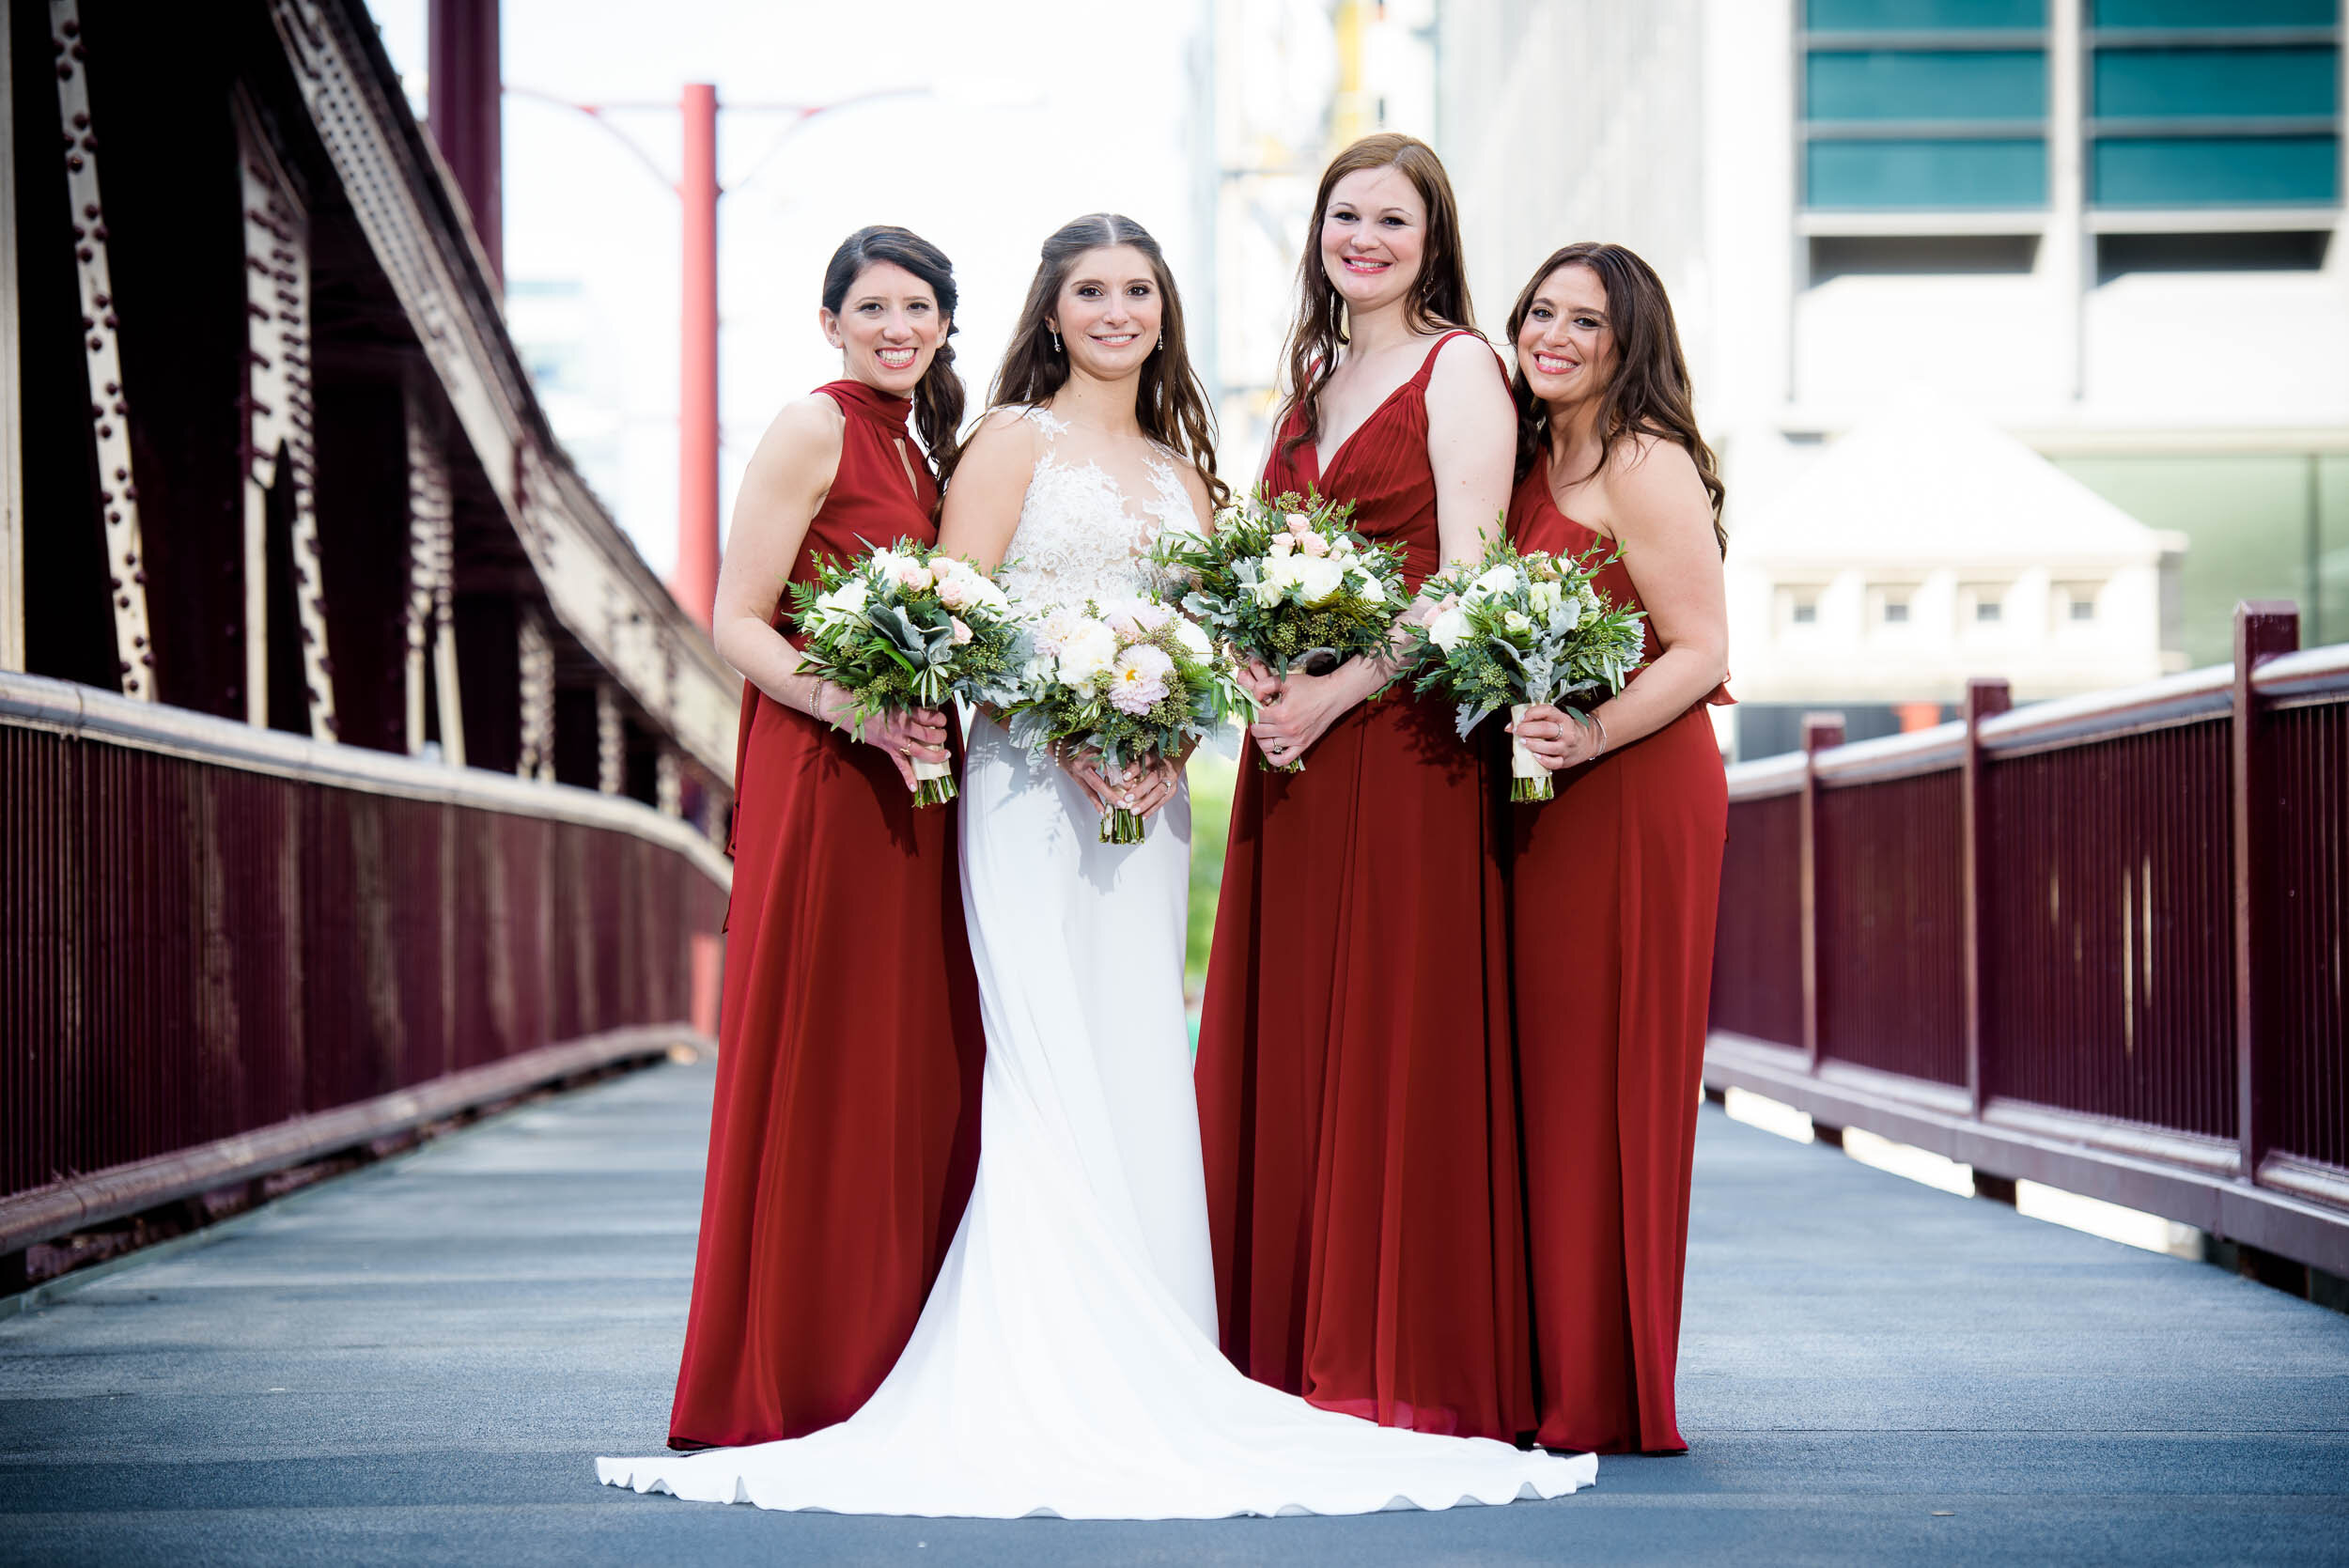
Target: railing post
{"x":1984,"y":697}
{"x":1819,"y":732}
{"x":2262,"y":629}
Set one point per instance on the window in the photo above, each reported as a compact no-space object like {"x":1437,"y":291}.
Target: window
{"x":1925,"y":103}
{"x":2083,"y":610}
{"x":2196,"y":104}
{"x":1988,"y":611}
{"x":1799,"y":605}
{"x":2076,"y":603}
{"x":1895,"y":601}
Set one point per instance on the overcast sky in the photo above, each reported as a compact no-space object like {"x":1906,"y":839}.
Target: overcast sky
{"x":1036,"y":113}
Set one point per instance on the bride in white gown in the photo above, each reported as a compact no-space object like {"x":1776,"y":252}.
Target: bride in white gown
{"x":1066,"y":1362}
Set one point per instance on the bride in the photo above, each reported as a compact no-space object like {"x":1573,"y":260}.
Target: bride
{"x":1066,"y":1362}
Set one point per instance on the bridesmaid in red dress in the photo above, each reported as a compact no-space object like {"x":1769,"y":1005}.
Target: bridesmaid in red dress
{"x":844,"y":1135}
{"x":1354,"y":1090}
{"x":1614,"y":885}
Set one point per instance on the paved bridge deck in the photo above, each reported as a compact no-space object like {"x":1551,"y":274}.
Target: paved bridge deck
{"x":418,"y":1362}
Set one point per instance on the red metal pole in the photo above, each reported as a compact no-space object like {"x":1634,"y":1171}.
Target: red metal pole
{"x":695,"y":583}
{"x":461,"y":46}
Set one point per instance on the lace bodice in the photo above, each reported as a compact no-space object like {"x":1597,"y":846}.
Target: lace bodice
{"x":1078,"y":537}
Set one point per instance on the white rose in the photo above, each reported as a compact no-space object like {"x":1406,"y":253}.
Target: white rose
{"x":844,"y":602}
{"x":1342,"y":545}
{"x":1516,"y":623}
{"x":1546,"y":597}
{"x":1186,"y":631}
{"x":1087,"y":653}
{"x":1267,"y":592}
{"x":1319,"y":580}
{"x":1284,"y":571}
{"x":1497,"y":580}
{"x":1369,"y":587}
{"x":1447,"y":629}
{"x":1281,"y":546}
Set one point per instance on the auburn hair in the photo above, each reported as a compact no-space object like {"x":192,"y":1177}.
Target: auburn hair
{"x":1439,"y":299}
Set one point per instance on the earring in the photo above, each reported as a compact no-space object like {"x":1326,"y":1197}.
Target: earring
{"x":1055,"y":341}
{"x":1161,"y":340}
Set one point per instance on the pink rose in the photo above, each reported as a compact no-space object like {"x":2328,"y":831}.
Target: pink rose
{"x":1313,"y":544}
{"x":962,"y":633}
{"x":957,"y":591}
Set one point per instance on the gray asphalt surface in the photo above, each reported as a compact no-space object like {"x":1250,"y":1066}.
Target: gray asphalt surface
{"x":418,"y":1363}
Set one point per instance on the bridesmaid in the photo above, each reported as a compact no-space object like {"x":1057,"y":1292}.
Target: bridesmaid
{"x":845,"y":1130}
{"x":1623,"y":870}
{"x":1355,"y":1089}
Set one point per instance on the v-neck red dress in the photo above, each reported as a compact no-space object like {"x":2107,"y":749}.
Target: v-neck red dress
{"x":1614,"y":887}
{"x":844,"y":1134}
{"x":1356,"y":1101}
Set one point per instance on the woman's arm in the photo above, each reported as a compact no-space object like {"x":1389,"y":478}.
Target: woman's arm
{"x":784,"y":484}
{"x":1471,"y":448}
{"x":982,"y":510}
{"x":1662,"y":520}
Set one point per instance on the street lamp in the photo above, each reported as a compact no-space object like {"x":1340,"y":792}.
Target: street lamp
{"x":694,"y":582}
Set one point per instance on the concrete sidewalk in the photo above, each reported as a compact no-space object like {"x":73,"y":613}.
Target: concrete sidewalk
{"x":417,"y":1364}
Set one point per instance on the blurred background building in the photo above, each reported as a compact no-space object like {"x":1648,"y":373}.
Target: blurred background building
{"x":2105,"y":229}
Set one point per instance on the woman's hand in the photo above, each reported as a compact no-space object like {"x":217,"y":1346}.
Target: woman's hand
{"x":1305,"y":707}
{"x":1557,"y":740}
{"x":1257,"y":678}
{"x":905,"y":735}
{"x":1084,"y":765}
{"x":1150,"y":785}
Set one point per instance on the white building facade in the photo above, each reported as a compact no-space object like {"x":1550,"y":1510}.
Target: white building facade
{"x":2109,"y":228}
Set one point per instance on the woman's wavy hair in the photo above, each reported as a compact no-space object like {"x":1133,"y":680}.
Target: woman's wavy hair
{"x":1439,"y":296}
{"x":1648,"y":394}
{"x":1171,"y":404}
{"x":937,"y":397}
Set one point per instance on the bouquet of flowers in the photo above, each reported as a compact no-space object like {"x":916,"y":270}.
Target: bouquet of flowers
{"x":1130,"y":677}
{"x":1285,"y":580}
{"x":1517,"y":630}
{"x":903,"y":626}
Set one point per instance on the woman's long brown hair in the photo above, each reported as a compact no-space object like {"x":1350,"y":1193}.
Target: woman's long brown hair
{"x":1648,"y":394}
{"x":938,"y":396}
{"x":1439,"y":295}
{"x":1170,"y":405}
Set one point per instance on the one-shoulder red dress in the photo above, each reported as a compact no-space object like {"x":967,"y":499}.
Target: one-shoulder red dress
{"x":844,"y":1135}
{"x":1355,"y":1092}
{"x":1614,"y":887}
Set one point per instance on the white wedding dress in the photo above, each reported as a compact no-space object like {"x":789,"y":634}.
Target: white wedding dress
{"x":1066,"y":1362}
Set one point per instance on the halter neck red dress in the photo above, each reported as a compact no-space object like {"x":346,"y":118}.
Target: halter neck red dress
{"x":1354,"y":1090}
{"x":844,"y":1135}
{"x":1614,"y":887}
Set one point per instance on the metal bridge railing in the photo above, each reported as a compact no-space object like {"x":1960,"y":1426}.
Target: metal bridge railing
{"x":225,"y":950}
{"x":2097,"y":942}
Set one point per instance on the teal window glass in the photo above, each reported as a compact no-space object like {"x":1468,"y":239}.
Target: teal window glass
{"x":1926,"y":85}
{"x":2214,"y":13}
{"x":1868,"y":16}
{"x":1927,"y":174}
{"x":2144,"y":83}
{"x":2202,"y":171}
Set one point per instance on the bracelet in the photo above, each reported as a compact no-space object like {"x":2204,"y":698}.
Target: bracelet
{"x":1599,"y":724}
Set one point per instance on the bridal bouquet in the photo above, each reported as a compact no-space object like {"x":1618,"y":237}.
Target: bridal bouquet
{"x":1131,"y":678}
{"x":1517,"y":630}
{"x":903,"y":626}
{"x":1285,"y":581}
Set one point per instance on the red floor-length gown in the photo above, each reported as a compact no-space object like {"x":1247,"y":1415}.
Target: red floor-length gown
{"x":845,"y":1136}
{"x":1613,"y":889}
{"x":1355,"y":1095}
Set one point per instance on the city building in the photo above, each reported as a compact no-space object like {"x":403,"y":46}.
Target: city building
{"x":2107,"y":227}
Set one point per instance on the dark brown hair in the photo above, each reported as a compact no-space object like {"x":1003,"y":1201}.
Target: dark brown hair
{"x":1439,"y":296}
{"x":1648,"y":394}
{"x":1171,"y":404}
{"x":938,"y":396}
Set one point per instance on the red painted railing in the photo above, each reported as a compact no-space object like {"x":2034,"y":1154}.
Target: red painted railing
{"x":2097,"y":942}
{"x":211,"y":933}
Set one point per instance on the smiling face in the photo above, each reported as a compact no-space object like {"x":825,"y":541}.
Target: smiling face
{"x":888,"y":328}
{"x":1374,"y":236}
{"x":1566,"y":343}
{"x":1109,"y":311}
